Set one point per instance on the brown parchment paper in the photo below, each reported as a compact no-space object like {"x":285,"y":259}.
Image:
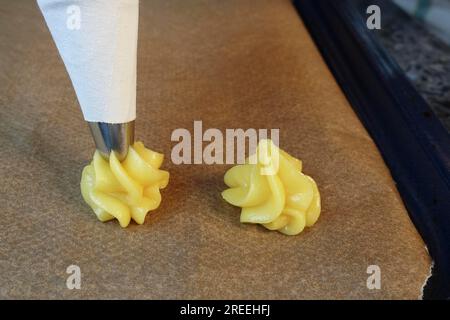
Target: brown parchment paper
{"x":232,"y":64}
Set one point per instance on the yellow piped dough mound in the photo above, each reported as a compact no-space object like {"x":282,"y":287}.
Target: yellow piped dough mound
{"x":272,"y":190}
{"x":124,"y":190}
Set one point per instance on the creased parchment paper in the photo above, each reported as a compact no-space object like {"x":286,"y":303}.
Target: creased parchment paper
{"x":231,"y":64}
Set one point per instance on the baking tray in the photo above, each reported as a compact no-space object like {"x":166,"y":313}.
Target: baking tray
{"x":232,"y":64}
{"x":412,"y":141}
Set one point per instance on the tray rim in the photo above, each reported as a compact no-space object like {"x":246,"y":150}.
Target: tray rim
{"x":412,"y":141}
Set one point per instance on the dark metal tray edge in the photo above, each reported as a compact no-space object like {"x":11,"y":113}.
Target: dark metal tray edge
{"x":412,"y":141}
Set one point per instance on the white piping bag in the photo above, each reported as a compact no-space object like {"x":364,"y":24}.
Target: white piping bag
{"x":97,"y":40}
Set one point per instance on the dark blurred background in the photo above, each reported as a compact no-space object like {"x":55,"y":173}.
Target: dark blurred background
{"x":417,"y":34}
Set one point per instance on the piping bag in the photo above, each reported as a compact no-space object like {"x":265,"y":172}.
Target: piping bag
{"x":97,"y":41}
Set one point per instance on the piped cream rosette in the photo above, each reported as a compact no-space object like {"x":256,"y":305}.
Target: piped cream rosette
{"x":272,"y":190}
{"x":124,"y":190}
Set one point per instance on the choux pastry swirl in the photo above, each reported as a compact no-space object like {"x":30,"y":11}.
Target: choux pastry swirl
{"x":124,"y":190}
{"x":272,"y":190}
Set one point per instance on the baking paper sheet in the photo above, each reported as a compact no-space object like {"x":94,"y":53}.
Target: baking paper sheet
{"x":230,"y":64}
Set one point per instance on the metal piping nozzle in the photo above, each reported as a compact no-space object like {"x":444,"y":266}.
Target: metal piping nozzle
{"x":110,"y":137}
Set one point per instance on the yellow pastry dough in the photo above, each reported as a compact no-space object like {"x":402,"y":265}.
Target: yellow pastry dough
{"x":124,"y":190}
{"x":272,"y":190}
